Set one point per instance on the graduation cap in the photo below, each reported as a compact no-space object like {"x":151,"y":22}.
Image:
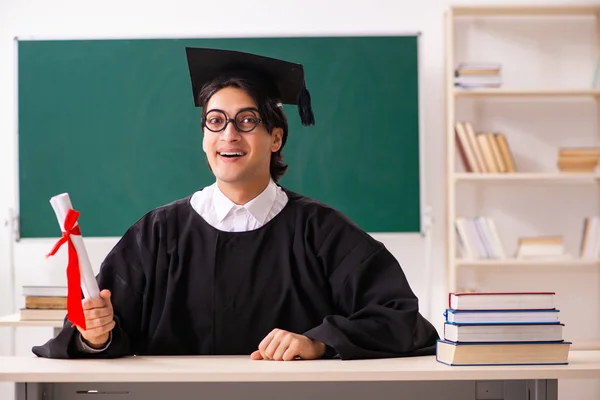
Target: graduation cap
{"x":287,"y":78}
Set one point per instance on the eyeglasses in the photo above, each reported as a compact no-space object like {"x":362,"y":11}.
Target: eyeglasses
{"x":245,"y":120}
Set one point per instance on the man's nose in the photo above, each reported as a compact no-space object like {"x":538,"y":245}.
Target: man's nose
{"x":230,"y":134}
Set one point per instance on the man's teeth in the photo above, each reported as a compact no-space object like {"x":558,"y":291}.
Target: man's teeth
{"x":231,"y":154}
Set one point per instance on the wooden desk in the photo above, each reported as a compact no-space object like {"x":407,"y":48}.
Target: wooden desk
{"x":184,"y":378}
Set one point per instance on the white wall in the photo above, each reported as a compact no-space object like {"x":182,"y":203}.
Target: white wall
{"x":134,"y":18}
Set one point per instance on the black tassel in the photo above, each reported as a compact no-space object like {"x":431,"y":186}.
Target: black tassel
{"x":305,"y":108}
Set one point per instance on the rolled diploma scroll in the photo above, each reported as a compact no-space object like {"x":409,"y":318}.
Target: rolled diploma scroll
{"x":61,"y":204}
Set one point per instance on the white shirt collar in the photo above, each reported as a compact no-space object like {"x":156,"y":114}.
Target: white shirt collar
{"x":259,"y":206}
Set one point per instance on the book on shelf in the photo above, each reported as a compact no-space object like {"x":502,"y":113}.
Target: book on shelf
{"x":596,"y":78}
{"x":478,"y":75}
{"x":483,"y":152}
{"x":44,"y":291}
{"x":541,"y":246}
{"x":578,"y":160}
{"x":502,"y":328}
{"x":478,"y":238}
{"x":46,"y":303}
{"x":590,"y":240}
{"x":42,"y":315}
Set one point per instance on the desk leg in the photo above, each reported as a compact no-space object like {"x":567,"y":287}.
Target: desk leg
{"x":543,"y":389}
{"x":29,"y":391}
{"x":20,"y":391}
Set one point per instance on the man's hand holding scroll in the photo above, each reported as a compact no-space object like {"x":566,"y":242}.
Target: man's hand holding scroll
{"x":99,"y":320}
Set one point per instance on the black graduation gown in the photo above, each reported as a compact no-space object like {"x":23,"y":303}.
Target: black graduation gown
{"x":181,"y":287}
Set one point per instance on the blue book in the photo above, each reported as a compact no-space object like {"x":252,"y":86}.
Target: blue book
{"x":501,"y":316}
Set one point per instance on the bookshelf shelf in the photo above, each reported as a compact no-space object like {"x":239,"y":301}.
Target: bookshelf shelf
{"x":526,"y":10}
{"x":534,"y":177}
{"x":533,"y":92}
{"x":564,"y":262}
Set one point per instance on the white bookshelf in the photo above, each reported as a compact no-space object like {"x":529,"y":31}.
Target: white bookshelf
{"x":457,"y":180}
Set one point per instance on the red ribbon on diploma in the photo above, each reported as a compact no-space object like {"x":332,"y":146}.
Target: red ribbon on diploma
{"x":74,"y":307}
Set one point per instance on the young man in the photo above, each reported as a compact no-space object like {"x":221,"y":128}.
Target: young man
{"x":245,"y":266}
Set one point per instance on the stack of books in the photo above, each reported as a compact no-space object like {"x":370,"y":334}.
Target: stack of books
{"x":578,"y":160}
{"x":502,"y":329}
{"x":478,"y":75}
{"x":44,"y":303}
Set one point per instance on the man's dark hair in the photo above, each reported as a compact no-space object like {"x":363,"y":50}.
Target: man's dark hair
{"x":265,"y":98}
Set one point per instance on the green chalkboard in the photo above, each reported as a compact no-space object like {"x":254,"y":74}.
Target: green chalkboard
{"x":112,"y":122}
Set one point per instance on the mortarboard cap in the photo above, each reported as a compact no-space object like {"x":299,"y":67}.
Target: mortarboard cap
{"x":286,"y":77}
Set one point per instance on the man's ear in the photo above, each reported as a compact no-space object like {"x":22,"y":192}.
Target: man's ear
{"x":276,"y":139}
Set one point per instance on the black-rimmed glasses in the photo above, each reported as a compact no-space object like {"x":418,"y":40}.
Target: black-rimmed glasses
{"x":245,"y":120}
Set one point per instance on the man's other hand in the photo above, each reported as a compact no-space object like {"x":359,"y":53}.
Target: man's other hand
{"x":280,"y":345}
